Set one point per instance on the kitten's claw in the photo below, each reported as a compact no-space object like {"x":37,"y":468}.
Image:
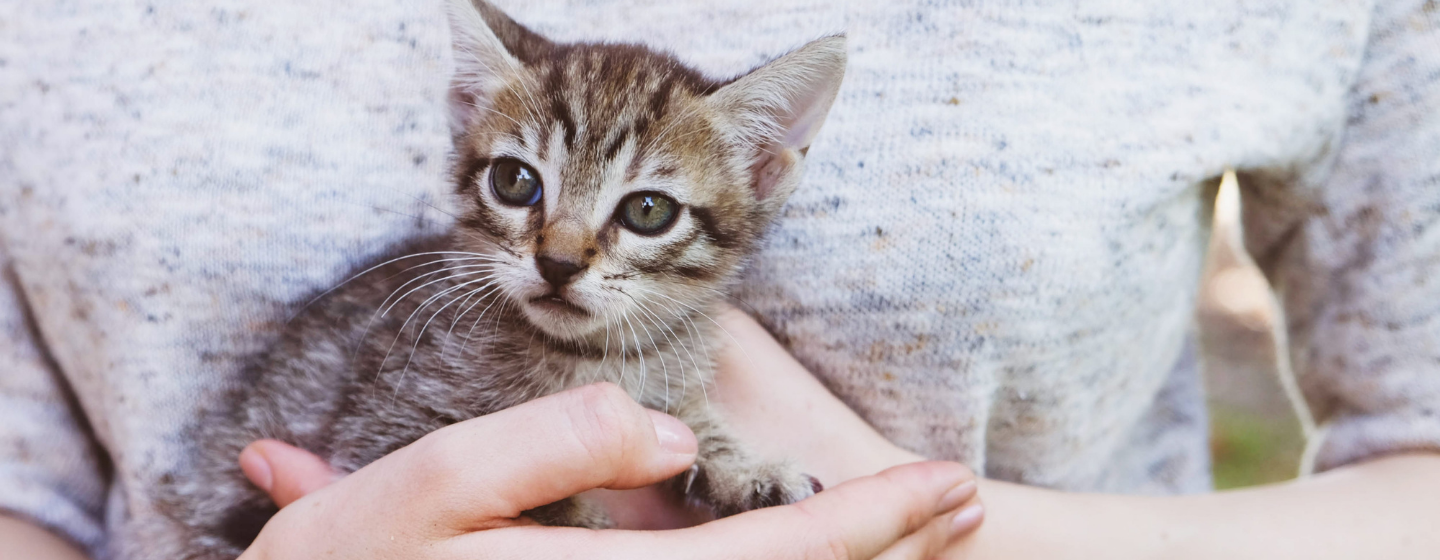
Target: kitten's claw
{"x":690,"y":477}
{"x":816,"y":486}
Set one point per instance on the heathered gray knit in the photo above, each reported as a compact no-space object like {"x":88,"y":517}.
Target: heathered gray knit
{"x":994,"y":256}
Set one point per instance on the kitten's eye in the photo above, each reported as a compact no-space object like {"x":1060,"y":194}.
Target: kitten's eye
{"x":648,"y":213}
{"x":515,"y":183}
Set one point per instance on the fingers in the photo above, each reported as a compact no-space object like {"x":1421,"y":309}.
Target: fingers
{"x":285,"y":472}
{"x":857,"y":520}
{"x":865,"y":516}
{"x":497,"y":466}
{"x":482,"y":474}
{"x":934,"y":537}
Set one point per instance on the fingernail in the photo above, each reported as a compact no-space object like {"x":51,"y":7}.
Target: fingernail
{"x":960,"y":494}
{"x":967,"y":520}
{"x":256,"y":468}
{"x":674,"y":435}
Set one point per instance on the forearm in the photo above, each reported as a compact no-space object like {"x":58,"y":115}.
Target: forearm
{"x":1382,"y":509}
{"x":22,"y":539}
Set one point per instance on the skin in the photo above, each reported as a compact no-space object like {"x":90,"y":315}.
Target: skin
{"x":1383,"y":508}
{"x":448,"y":497}
{"x":22,"y":539}
{"x":1379,"y":509}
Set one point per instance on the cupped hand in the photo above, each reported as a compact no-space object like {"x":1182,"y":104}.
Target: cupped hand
{"x":779,"y":409}
{"x":759,"y":386}
{"x":460,"y":493}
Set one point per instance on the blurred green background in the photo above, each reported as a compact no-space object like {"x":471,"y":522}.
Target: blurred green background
{"x":1256,"y":437}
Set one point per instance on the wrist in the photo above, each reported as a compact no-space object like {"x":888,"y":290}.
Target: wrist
{"x":1028,"y":522}
{"x":22,"y":539}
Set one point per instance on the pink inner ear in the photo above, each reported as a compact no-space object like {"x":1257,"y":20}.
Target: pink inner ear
{"x":462,"y":110}
{"x":772,"y":166}
{"x":801,"y":128}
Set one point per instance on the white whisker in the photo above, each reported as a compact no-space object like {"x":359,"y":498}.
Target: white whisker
{"x":466,"y":344}
{"x":421,"y":335}
{"x":683,"y":322}
{"x":606,"y":349}
{"x":664,"y":370}
{"x":400,"y":331}
{"x":445,"y":347}
{"x":385,"y":309}
{"x":382,"y":310}
{"x":670,"y":336}
{"x":639,"y":353}
{"x":623,"y":354}
{"x":712,"y":320}
{"x":373,"y":268}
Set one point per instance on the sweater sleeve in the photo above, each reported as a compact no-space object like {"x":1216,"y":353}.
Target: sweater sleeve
{"x":50,"y":468}
{"x":1352,"y":245}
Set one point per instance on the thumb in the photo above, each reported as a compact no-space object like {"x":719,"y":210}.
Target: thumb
{"x":498,"y":466}
{"x":284,"y":471}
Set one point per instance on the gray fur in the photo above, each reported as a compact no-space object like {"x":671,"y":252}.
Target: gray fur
{"x":448,"y":329}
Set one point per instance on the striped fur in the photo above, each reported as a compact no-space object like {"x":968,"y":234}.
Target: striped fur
{"x":600,"y":121}
{"x":458,"y":327}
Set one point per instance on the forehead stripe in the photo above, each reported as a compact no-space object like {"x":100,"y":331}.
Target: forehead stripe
{"x":616,"y":144}
{"x":556,"y":84}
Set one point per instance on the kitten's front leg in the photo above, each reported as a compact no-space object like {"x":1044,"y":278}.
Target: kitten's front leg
{"x":730,"y":478}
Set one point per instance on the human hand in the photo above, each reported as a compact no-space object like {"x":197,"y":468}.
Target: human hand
{"x":460,"y":491}
{"x":759,"y":386}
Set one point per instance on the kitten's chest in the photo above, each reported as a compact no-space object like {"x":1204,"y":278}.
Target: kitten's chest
{"x":658,"y":375}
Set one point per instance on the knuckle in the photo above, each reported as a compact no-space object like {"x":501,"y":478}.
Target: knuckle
{"x":825,"y":540}
{"x":434,"y":460}
{"x":601,"y":419}
{"x":832,"y":546}
{"x":915,"y":504}
{"x":282,"y":528}
{"x":834,"y":549}
{"x":606,"y":395}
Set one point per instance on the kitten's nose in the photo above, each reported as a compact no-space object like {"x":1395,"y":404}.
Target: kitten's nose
{"x":557,"y":272}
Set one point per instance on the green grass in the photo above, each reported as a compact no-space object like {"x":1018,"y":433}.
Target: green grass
{"x":1250,"y":449}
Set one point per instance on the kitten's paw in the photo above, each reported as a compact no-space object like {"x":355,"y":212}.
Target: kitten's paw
{"x":816,"y":486}
{"x":736,"y":490}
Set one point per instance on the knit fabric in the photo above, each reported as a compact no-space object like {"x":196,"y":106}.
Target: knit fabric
{"x":993,"y":258}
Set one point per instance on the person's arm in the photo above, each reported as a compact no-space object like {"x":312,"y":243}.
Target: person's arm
{"x":20,"y":538}
{"x":52,"y":487}
{"x":1384,"y":508}
{"x":1351,"y":243}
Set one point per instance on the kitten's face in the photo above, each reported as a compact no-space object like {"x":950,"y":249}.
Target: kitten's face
{"x":604,"y":200}
{"x":616,"y":189}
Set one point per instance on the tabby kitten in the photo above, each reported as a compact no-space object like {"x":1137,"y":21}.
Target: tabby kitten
{"x":608,"y":194}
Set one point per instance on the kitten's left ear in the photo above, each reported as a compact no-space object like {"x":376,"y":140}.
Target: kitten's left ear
{"x":779,"y":107}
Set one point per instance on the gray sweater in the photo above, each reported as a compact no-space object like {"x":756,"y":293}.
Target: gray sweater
{"x":994,"y":256}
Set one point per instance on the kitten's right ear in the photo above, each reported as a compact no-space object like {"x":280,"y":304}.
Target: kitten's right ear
{"x":489,"y":49}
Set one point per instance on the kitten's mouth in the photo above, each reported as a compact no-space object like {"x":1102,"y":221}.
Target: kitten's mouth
{"x":557,"y":303}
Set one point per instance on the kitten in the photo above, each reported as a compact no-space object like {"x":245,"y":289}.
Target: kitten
{"x":608,"y":194}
